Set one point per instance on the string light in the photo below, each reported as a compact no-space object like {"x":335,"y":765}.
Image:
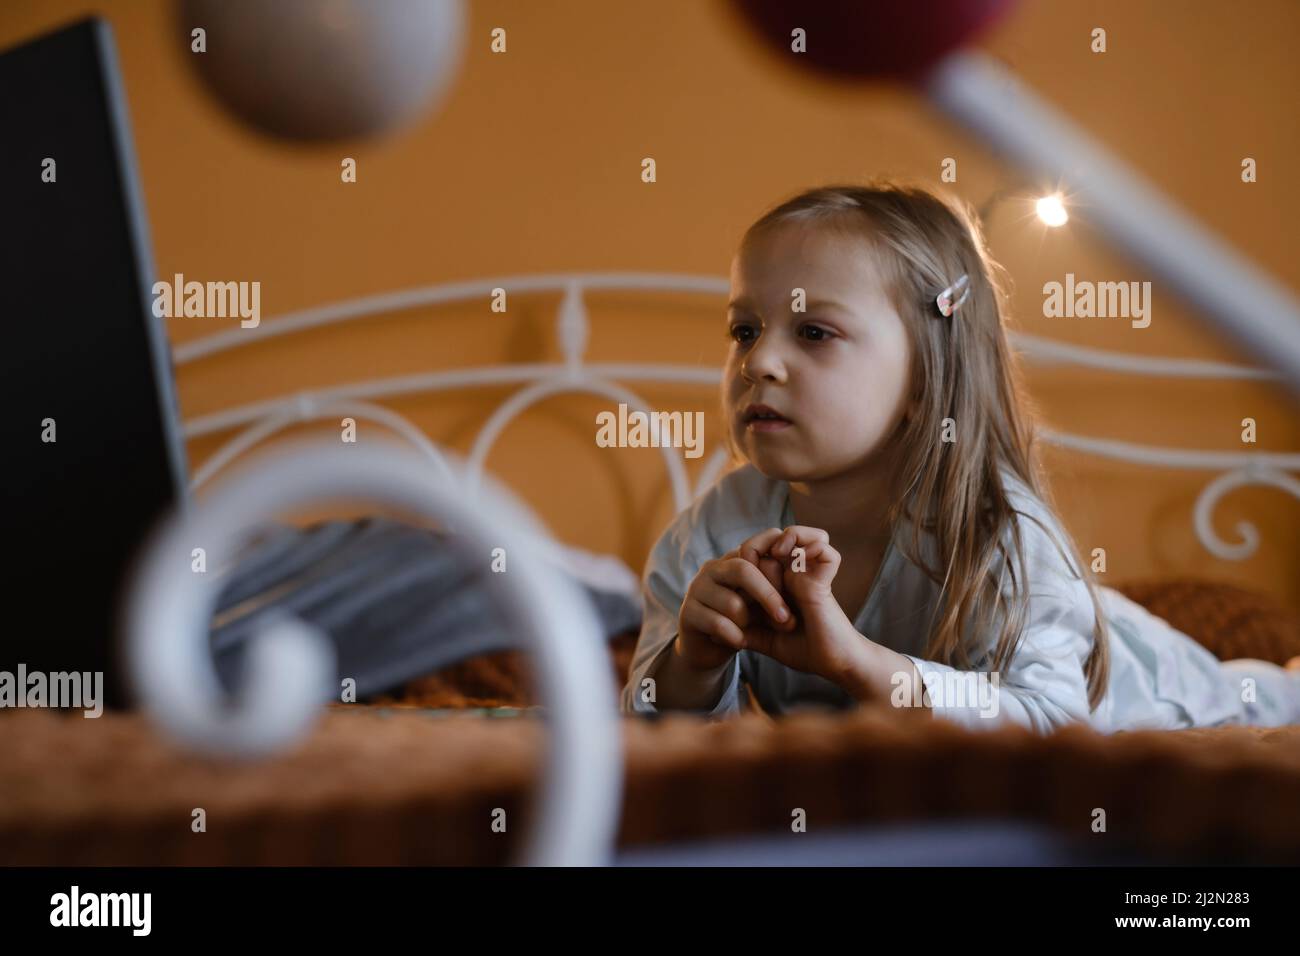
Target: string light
{"x":1051,"y":210}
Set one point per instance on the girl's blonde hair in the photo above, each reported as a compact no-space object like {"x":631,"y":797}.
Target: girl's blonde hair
{"x":963,"y":369}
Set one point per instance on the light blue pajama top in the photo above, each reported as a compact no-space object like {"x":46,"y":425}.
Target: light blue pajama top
{"x":1159,"y":677}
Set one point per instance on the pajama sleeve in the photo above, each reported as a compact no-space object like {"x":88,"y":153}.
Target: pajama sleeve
{"x":1045,"y":685}
{"x":672,"y":566}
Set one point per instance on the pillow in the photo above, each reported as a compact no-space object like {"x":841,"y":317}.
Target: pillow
{"x":397,"y":600}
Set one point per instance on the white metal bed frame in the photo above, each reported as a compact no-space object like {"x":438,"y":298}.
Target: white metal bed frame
{"x":542,"y":380}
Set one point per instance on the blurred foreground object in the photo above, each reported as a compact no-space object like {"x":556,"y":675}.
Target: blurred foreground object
{"x":326,"y":69}
{"x":287,"y":678}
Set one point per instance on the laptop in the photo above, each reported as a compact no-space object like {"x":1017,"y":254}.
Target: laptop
{"x":93,"y":454}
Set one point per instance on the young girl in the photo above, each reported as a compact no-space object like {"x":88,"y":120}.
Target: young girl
{"x":887,"y":536}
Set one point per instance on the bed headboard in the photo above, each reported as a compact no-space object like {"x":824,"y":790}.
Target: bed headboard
{"x":538,"y":381}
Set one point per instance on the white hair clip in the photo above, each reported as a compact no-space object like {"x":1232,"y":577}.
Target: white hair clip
{"x":944,"y":300}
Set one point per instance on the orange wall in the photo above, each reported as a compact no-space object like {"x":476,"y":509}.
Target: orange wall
{"x":532,"y":165}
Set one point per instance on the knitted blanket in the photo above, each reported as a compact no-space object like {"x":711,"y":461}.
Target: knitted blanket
{"x":403,"y":784}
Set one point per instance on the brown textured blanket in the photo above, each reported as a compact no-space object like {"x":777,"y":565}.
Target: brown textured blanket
{"x":397,"y":785}
{"x":374,"y":787}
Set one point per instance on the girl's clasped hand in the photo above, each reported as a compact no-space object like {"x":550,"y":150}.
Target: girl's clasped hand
{"x":771,"y":595}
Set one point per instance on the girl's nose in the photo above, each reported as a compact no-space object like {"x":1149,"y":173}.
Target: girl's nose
{"x":763,"y":361}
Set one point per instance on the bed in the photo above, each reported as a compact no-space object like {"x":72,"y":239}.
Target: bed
{"x":517,"y":753}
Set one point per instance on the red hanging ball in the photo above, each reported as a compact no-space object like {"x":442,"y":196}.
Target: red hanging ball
{"x":869,"y":39}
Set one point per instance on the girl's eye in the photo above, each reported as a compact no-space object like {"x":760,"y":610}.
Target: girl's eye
{"x":745,"y":334}
{"x":741,"y":333}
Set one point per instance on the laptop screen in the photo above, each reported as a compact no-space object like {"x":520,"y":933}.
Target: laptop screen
{"x":95,"y":453}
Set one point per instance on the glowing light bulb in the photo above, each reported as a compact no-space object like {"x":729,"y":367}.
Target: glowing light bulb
{"x":1051,"y":210}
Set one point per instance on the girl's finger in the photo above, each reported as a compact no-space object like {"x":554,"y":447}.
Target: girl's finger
{"x":798,"y":536}
{"x":710,"y":622}
{"x":758,"y":545}
{"x":818,"y":551}
{"x":741,"y":575}
{"x":775,"y":573}
{"x":822,"y":556}
{"x":772,"y":570}
{"x":725,"y":601}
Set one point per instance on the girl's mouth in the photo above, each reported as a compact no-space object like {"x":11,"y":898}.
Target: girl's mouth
{"x":768,"y":424}
{"x":763,"y":418}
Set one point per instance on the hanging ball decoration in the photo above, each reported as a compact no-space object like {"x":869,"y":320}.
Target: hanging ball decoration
{"x":870,"y":39}
{"x":325,"y":69}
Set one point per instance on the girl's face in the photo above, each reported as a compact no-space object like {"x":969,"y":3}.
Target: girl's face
{"x":838,"y":372}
